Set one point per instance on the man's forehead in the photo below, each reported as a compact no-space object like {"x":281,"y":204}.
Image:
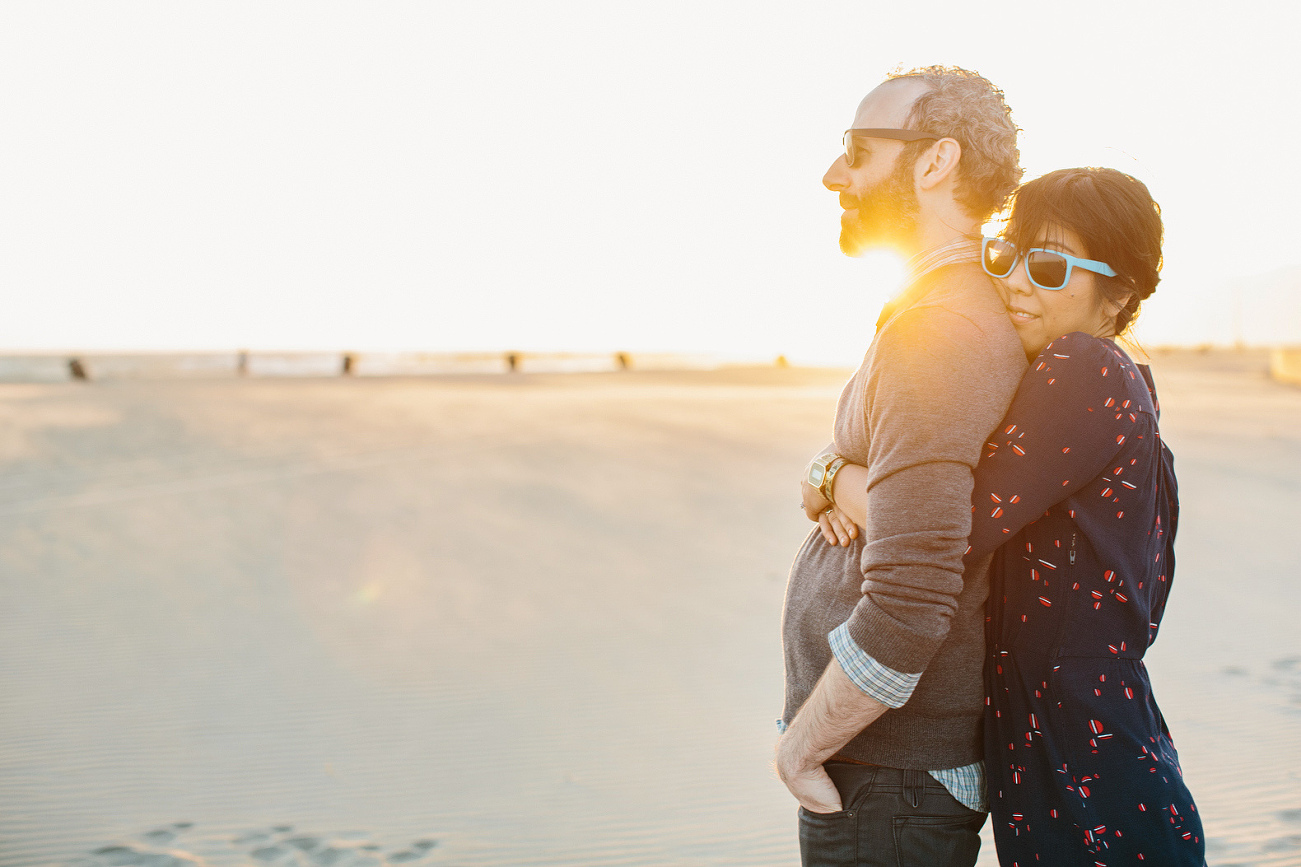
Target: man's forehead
{"x":887,"y":106}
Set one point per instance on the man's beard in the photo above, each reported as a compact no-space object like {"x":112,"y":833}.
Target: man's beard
{"x":887,"y":216}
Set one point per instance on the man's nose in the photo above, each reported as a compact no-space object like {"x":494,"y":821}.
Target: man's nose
{"x":837,"y":177}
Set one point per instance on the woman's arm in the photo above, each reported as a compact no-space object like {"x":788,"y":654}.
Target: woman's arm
{"x":849,"y":488}
{"x":841,"y":523}
{"x":838,"y":528}
{"x":1069,"y":418}
{"x":1062,"y":429}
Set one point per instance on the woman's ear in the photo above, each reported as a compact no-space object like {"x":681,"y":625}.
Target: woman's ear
{"x":1112,"y":305}
{"x":1123,"y":302}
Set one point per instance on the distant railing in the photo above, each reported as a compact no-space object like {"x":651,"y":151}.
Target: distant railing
{"x":55,"y":367}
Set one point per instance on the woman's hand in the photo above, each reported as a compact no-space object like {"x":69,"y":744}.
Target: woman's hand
{"x":814,"y":503}
{"x":837,"y":529}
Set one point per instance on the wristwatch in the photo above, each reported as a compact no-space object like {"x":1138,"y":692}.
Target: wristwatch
{"x":822,"y":472}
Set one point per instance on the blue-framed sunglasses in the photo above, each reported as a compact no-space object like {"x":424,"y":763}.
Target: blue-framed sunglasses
{"x":1047,"y":269}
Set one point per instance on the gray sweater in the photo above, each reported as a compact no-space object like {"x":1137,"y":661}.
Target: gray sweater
{"x":936,"y":380}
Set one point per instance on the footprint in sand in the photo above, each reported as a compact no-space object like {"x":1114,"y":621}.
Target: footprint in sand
{"x":272,"y":846}
{"x":1290,"y":843}
{"x":146,"y":853}
{"x":136,"y":856}
{"x":275,"y":846}
{"x":1287,"y":675}
{"x":281,"y":848}
{"x":418,"y":850}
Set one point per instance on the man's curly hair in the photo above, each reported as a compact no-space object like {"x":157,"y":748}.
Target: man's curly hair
{"x":967,"y":107}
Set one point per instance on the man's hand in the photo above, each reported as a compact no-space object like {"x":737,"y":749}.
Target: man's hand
{"x":808,"y":783}
{"x":834,"y":712}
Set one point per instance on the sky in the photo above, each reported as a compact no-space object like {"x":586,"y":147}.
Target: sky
{"x":583,"y":175}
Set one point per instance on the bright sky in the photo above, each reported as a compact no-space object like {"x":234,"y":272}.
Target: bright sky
{"x":585,"y":175}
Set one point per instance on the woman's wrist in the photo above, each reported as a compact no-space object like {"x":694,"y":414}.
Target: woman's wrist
{"x":851,"y":497}
{"x":828,"y":488}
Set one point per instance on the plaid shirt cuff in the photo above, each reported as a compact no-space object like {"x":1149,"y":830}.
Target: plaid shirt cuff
{"x":890,"y":687}
{"x":966,"y":784}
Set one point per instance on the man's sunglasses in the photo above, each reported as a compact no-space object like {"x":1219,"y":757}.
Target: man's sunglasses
{"x":851,"y":154}
{"x":1046,"y":269}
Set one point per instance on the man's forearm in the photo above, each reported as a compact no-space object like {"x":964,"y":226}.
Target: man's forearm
{"x":834,"y":713}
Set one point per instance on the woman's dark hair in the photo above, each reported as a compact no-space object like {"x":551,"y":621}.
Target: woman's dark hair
{"x":1113,"y":214}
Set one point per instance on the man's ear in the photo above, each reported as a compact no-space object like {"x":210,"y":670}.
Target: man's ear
{"x":939,"y":164}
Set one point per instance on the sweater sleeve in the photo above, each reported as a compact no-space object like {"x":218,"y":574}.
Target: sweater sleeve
{"x":938,"y":388}
{"x":1068,"y":420}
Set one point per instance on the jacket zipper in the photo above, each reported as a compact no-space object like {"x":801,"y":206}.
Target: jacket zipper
{"x":1065,"y":597}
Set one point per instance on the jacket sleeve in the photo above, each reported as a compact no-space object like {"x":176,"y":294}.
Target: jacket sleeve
{"x":938,"y":387}
{"x":1068,"y":420}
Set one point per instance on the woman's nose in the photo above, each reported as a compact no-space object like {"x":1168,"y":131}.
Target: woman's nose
{"x":1018,"y":282}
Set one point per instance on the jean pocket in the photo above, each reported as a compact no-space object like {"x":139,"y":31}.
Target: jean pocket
{"x":809,"y":814}
{"x":828,"y":839}
{"x":922,"y":841}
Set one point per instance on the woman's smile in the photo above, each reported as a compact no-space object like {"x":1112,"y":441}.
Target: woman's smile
{"x":1020,"y":316}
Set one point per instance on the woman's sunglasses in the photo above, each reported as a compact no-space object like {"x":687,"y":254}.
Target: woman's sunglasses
{"x":1046,"y":269}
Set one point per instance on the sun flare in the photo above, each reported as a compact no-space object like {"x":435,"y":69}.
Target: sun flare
{"x":884,"y":272}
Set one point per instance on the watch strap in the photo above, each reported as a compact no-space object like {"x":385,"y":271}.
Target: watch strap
{"x":829,"y":478}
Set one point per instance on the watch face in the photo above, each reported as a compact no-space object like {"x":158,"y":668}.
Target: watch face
{"x":816,"y":475}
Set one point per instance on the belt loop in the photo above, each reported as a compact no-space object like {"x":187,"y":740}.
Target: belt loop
{"x":913,"y":787}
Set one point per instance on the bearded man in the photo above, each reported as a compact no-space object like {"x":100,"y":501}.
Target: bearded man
{"x":883,"y":635}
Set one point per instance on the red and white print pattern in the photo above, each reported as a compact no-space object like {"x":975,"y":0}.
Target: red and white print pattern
{"x":1077,"y":494}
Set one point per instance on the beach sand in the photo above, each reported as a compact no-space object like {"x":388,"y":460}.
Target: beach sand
{"x":517,"y":619}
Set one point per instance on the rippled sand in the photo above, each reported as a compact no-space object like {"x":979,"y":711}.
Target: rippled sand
{"x":516,"y":619}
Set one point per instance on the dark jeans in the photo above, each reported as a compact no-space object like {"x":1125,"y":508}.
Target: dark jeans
{"x":892,"y":818}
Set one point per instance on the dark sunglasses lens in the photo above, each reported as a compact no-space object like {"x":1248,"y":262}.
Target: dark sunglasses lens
{"x":849,"y":150}
{"x":1000,"y":258}
{"x":1047,"y":269}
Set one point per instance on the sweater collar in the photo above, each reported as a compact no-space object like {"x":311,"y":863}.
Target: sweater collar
{"x":961,"y":250}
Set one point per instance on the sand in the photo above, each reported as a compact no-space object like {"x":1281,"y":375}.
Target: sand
{"x":524,"y":619}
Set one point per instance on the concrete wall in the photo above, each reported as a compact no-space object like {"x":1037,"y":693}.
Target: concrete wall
{"x":425,"y":363}
{"x":1285,"y":365}
{"x":160,"y":365}
{"x":34,"y":368}
{"x":106,"y":366}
